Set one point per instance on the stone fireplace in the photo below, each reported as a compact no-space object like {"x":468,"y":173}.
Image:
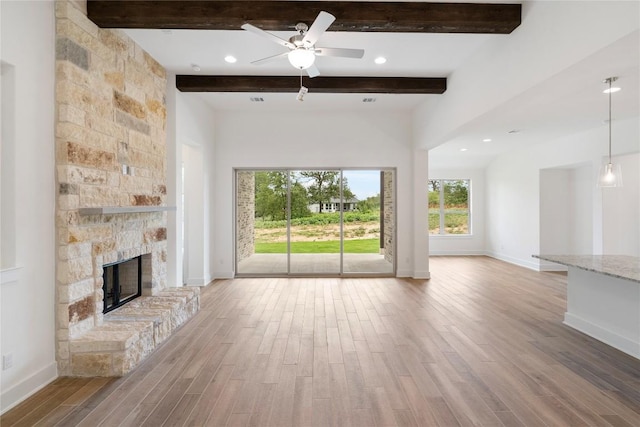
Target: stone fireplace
{"x":111,"y":202}
{"x":122,"y":282}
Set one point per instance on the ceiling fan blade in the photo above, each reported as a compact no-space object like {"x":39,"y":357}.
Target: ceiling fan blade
{"x":338,"y":51}
{"x":319,"y":26}
{"x":313,"y":71}
{"x":269,"y":58}
{"x":261,"y":32}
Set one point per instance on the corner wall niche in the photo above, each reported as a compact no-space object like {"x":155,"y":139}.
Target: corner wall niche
{"x":111,"y":119}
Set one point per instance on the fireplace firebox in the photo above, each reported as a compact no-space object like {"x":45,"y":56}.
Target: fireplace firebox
{"x":122,"y":282}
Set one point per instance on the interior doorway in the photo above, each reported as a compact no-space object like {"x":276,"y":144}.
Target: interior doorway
{"x":315,"y":222}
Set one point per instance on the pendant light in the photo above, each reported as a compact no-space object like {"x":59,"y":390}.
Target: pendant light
{"x":610,"y":175}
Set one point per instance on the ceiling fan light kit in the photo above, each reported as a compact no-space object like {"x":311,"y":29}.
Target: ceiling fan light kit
{"x":301,"y":58}
{"x":302,"y":46}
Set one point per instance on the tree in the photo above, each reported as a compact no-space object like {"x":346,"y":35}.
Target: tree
{"x":347,"y":194}
{"x":370,"y":204}
{"x":456,"y":193}
{"x":434,"y":193}
{"x":323,"y":186}
{"x":299,"y":200}
{"x":271,"y":196}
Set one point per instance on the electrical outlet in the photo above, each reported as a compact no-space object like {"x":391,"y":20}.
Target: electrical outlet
{"x":7,"y":361}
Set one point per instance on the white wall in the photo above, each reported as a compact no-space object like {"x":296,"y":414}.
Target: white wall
{"x":514,"y":194}
{"x":174,"y":188}
{"x":195,"y":134}
{"x":473,"y":244}
{"x":584,"y":211}
{"x":7,"y":169}
{"x":621,"y":216}
{"x":556,"y":210}
{"x":193,"y":204}
{"x":27,"y":304}
{"x":321,"y":140}
{"x":567,"y":210}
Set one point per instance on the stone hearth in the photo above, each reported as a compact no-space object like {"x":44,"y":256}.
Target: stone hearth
{"x":130,"y":333}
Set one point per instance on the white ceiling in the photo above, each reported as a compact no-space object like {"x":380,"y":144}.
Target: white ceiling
{"x":439,"y":55}
{"x":569,"y":102}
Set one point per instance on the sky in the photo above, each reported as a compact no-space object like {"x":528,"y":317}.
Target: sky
{"x":363,"y":183}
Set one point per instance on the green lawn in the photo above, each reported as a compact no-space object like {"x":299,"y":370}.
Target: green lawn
{"x":360,"y":246}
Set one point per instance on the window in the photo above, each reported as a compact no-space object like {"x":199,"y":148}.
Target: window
{"x":449,"y":206}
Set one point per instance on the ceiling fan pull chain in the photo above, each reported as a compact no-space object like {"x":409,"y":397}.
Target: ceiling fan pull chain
{"x":303,"y":90}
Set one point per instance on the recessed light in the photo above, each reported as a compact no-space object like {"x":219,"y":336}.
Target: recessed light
{"x":380,"y":60}
{"x":230,"y":59}
{"x":195,"y":67}
{"x":614,"y":89}
{"x":486,"y":140}
{"x":463,"y":149}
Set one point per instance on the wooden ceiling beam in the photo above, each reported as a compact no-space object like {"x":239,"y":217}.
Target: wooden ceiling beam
{"x":398,"y":85}
{"x":409,"y":17}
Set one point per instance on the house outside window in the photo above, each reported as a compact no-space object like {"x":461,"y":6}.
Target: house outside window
{"x":449,"y":202}
{"x":349,"y":205}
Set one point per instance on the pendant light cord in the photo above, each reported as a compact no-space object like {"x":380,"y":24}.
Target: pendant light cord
{"x":610,"y":81}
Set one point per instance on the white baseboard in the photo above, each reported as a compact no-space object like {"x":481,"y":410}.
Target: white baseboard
{"x":27,"y":387}
{"x":544,"y":266}
{"x":421,"y":275}
{"x":223,"y":275}
{"x":199,"y":281}
{"x":404,"y":273}
{"x":532,"y":265}
{"x":457,"y":253}
{"x":606,"y":336}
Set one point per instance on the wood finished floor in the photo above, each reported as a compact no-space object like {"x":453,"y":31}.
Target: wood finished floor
{"x":481,"y":343}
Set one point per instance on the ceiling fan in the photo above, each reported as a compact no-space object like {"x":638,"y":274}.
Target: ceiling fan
{"x":302,"y":50}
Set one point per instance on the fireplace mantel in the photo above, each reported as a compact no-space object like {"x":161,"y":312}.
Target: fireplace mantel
{"x":108,"y":210}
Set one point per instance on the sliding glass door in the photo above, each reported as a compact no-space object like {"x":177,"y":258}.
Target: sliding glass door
{"x":320,"y":222}
{"x":368,"y":222}
{"x":314,"y":228}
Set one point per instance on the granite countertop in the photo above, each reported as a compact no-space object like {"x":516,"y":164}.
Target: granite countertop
{"x":620,"y":266}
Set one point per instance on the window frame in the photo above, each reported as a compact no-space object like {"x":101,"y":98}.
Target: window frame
{"x":441,"y":210}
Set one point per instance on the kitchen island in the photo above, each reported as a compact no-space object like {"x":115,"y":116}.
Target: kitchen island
{"x":603,"y":298}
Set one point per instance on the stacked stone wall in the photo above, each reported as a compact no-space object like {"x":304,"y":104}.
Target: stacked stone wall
{"x":110,"y":151}
{"x":388,"y":215}
{"x":245,"y":200}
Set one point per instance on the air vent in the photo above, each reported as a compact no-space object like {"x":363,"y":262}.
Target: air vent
{"x":257,"y":99}
{"x":368,"y":99}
